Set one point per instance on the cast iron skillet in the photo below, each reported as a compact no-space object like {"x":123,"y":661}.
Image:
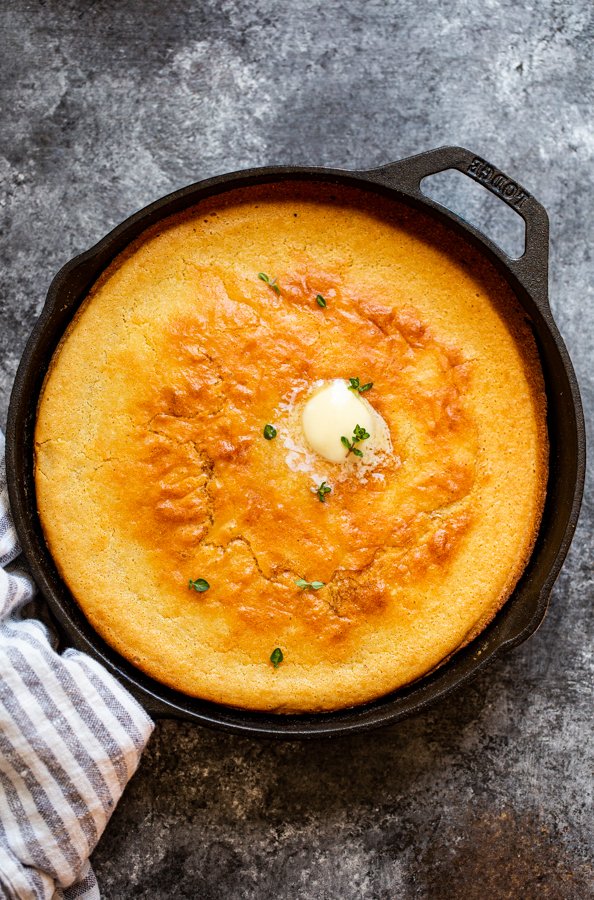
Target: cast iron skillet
{"x":526,"y":608}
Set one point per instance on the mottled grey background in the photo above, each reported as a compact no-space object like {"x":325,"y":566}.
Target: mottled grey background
{"x":106,"y":106}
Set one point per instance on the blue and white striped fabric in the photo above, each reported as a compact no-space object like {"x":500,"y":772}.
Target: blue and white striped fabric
{"x":70,"y":739}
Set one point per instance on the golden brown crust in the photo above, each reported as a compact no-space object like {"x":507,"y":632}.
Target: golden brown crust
{"x":149,"y":432}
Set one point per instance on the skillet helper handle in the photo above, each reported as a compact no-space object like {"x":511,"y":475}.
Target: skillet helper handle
{"x":153,"y":705}
{"x":39,"y":609}
{"x":531,"y":269}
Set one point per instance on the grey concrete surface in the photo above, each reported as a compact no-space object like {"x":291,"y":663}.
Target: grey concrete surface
{"x":106,"y":106}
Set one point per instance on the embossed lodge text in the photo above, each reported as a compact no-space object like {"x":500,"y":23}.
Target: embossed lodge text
{"x":496,"y":181}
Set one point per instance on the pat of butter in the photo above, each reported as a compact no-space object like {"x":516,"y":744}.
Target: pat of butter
{"x":330,"y":413}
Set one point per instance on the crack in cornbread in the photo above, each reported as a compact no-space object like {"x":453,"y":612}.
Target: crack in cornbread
{"x":149,"y":435}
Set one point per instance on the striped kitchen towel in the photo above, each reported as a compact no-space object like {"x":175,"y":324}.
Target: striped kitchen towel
{"x":70,"y":739}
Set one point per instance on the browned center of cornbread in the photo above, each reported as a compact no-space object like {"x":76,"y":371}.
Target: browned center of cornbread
{"x":207,"y":495}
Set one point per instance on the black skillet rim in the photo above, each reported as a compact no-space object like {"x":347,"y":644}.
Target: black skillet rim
{"x":524,"y":610}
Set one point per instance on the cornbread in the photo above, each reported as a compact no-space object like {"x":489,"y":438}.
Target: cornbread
{"x":191,"y":540}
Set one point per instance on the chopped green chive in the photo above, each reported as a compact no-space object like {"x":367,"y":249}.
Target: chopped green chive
{"x":271,"y":282}
{"x":200,"y":585}
{"x":269,"y":432}
{"x":355,"y":385}
{"x":320,"y":301}
{"x":314,"y":585}
{"x":276,"y":657}
{"x":359,"y":434}
{"x":323,"y":489}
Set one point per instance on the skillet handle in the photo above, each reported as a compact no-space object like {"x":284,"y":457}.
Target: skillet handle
{"x":152,"y":705}
{"x":531,"y":269}
{"x":64,"y":639}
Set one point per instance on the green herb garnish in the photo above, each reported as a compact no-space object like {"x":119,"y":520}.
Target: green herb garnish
{"x":359,"y":434}
{"x":200,"y":585}
{"x":314,"y":585}
{"x":271,"y":282}
{"x":269,"y":432}
{"x":320,"y":301}
{"x":276,"y":657}
{"x":355,"y":385}
{"x":323,"y":489}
